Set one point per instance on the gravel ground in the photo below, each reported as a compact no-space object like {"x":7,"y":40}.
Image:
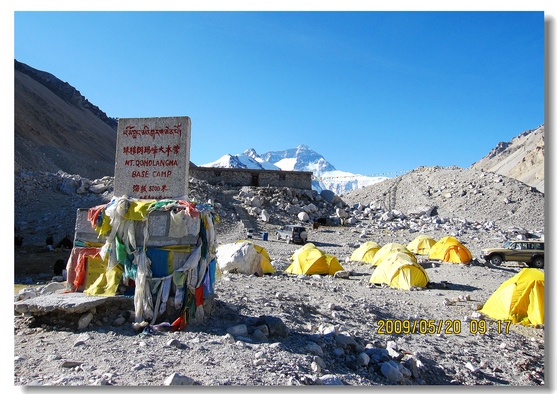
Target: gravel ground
{"x":322,"y":330}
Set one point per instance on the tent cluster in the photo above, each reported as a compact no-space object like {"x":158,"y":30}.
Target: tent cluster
{"x":397,"y":267}
{"x":519,"y":299}
{"x":447,"y":249}
{"x":402,"y":269}
{"x":170,"y":280}
{"x":249,"y":258}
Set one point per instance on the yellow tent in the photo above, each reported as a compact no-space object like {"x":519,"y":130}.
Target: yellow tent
{"x":312,"y":261}
{"x":333,"y":263}
{"x":519,"y":299}
{"x":389,"y":248}
{"x":449,"y":249}
{"x":400,"y":271}
{"x":306,"y":246}
{"x":421,"y":244}
{"x":266,"y":265}
{"x":365,"y":252}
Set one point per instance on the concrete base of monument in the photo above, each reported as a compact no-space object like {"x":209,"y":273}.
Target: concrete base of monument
{"x":79,"y":311}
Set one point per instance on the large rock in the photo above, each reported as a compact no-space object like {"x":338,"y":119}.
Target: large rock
{"x":277,"y":328}
{"x":329,"y":196}
{"x":303,"y":217}
{"x":69,"y":186}
{"x":98,"y":188}
{"x":177,"y":379}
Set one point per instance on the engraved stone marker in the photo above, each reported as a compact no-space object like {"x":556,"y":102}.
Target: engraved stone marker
{"x":152,"y":157}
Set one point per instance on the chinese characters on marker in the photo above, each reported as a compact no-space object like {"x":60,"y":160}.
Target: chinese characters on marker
{"x":151,"y":155}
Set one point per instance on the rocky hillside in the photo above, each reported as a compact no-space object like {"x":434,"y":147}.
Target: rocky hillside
{"x":56,"y":128}
{"x":522,"y":158}
{"x":467,"y":194}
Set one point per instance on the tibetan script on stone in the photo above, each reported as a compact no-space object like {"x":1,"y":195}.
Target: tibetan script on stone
{"x":152,"y":157}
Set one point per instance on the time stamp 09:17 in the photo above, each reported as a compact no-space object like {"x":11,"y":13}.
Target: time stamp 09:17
{"x":446,"y":327}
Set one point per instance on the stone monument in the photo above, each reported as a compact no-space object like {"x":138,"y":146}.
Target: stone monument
{"x":152,"y":157}
{"x":149,"y":241}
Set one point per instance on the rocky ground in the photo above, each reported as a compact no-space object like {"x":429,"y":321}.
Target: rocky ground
{"x":283,"y":329}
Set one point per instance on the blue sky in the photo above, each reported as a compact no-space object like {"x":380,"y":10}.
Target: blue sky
{"x":374,"y":92}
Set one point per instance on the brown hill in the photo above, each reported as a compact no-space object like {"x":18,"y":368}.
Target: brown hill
{"x":56,"y":128}
{"x":522,"y":158}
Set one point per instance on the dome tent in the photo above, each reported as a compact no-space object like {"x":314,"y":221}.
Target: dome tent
{"x":421,"y":244}
{"x":365,"y":252}
{"x":306,"y":246}
{"x":399,"y":270}
{"x":389,"y":248}
{"x":333,"y":263}
{"x":519,"y":299}
{"x":240,"y":257}
{"x":311,"y":261}
{"x":450,"y":250}
{"x":266,"y":265}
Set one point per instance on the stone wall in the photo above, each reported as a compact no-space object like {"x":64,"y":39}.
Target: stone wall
{"x":249,"y":177}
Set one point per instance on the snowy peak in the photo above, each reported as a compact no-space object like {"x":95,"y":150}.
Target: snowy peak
{"x":253,"y":154}
{"x":249,"y":159}
{"x":226,"y":161}
{"x":301,"y":158}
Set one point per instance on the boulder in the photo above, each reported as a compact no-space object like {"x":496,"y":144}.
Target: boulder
{"x":303,"y":217}
{"x":69,"y":186}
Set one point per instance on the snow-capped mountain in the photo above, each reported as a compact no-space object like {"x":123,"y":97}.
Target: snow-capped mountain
{"x":248,"y":159}
{"x":341,"y":181}
{"x":302,"y":158}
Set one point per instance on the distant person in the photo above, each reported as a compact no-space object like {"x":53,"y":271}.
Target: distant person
{"x":65,"y":243}
{"x":18,"y":241}
{"x":48,"y":247}
{"x":59,"y":267}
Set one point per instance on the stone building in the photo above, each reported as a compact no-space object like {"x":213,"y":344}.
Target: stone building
{"x":251,"y":177}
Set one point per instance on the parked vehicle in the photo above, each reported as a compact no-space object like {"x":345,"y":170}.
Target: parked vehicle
{"x":249,"y":233}
{"x":529,"y":252}
{"x":292,"y":233}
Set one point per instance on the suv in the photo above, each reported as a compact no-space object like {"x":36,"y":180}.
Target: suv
{"x":529,"y":252}
{"x":291,"y":233}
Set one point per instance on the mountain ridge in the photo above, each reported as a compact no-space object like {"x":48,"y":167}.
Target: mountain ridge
{"x":522,"y":158}
{"x":56,"y":127}
{"x":65,"y":91}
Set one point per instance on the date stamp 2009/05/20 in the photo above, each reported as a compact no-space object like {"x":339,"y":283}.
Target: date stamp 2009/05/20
{"x":446,"y":327}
